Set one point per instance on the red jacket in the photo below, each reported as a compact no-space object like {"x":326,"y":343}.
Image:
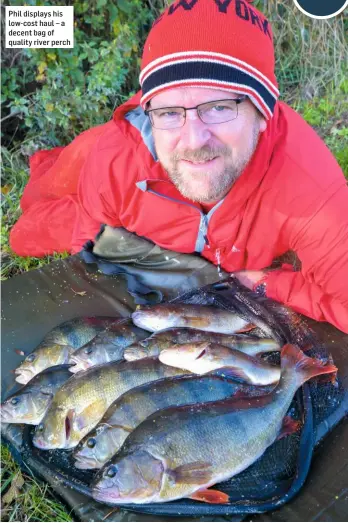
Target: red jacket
{"x":292,"y":196}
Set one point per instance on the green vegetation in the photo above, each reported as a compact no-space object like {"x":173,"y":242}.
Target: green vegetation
{"x":329,"y":117}
{"x":51,"y":95}
{"x":25,"y":499}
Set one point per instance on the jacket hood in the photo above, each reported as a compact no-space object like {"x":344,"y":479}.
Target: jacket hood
{"x":128,"y":106}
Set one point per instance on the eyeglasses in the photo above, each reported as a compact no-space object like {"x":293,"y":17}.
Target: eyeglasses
{"x":218,"y":111}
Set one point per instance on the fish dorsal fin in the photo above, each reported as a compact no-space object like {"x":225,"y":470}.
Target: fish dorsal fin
{"x":240,"y":401}
{"x":210,"y":496}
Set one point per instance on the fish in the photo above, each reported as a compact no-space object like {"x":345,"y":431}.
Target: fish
{"x":133,"y":407}
{"x":182,"y":451}
{"x":30,"y":403}
{"x":60,"y":343}
{"x":106,"y":346}
{"x":203,"y":357}
{"x":154,"y":344}
{"x":82,"y":401}
{"x":202,"y":317}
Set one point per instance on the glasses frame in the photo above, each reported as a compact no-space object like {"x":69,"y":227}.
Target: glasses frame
{"x":236,"y":100}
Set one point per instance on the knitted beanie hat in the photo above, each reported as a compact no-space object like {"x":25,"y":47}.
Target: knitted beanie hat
{"x":222,"y":44}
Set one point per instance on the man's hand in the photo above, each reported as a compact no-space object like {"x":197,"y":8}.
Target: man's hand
{"x":249,"y":278}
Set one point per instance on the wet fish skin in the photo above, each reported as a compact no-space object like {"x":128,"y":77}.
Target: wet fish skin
{"x":60,"y":343}
{"x":82,"y":401}
{"x":188,"y":449}
{"x":29,"y":404}
{"x":154,"y":344}
{"x":202,"y":317}
{"x":203,"y":357}
{"x":107,"y":346}
{"x":133,"y":407}
{"x":78,"y":331}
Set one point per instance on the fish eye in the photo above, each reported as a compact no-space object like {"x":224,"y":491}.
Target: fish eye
{"x":89,"y":350}
{"x":91,"y":443}
{"x":30,"y":358}
{"x":40,"y":427}
{"x":15,"y":400}
{"x":111,"y":472}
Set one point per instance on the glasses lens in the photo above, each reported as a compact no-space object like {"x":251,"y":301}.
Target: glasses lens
{"x":168,"y":118}
{"x":218,"y":112}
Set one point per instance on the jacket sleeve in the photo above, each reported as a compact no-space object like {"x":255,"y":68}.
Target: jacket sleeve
{"x":320,"y":290}
{"x":99,"y":192}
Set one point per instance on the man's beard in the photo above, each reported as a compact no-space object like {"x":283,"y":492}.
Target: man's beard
{"x":219,"y":183}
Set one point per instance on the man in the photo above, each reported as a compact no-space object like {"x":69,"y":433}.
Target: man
{"x":205,"y":159}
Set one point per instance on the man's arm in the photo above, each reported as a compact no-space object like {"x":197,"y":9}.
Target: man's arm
{"x":320,"y":290}
{"x":99,"y":192}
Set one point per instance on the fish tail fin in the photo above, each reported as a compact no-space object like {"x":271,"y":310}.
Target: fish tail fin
{"x":294,"y":359}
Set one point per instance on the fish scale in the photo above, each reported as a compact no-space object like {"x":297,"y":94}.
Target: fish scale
{"x":80,"y":404}
{"x":191,"y":448}
{"x":133,"y":407}
{"x":60,"y":342}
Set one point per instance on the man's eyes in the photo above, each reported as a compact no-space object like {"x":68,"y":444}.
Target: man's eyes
{"x":168,"y":113}
{"x":219,"y":108}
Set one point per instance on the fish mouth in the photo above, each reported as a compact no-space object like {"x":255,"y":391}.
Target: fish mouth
{"x":78,"y":364}
{"x":82,"y":462}
{"x":23,"y":375}
{"x":5,"y":415}
{"x":134,"y":354}
{"x":41,"y":444}
{"x":102,"y":494}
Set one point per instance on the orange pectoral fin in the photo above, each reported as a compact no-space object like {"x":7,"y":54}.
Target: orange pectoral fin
{"x":289,"y":426}
{"x":246,"y":328}
{"x":197,"y":322}
{"x":210,"y":496}
{"x":197,"y":472}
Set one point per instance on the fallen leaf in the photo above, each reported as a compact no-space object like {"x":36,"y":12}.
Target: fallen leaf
{"x":14,"y":490}
{"x":116,"y":509}
{"x":80,"y":293}
{"x":5,"y":189}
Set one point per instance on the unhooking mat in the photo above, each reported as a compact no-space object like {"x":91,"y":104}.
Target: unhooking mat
{"x":37,"y":301}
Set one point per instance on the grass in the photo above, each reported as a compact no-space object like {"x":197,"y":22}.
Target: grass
{"x":328,"y":115}
{"x":15,"y":175}
{"x":24,"y":498}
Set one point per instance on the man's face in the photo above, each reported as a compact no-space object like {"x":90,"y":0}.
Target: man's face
{"x":204,"y":160}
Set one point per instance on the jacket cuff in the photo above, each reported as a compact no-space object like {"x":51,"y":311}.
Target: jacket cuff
{"x":278,"y":283}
